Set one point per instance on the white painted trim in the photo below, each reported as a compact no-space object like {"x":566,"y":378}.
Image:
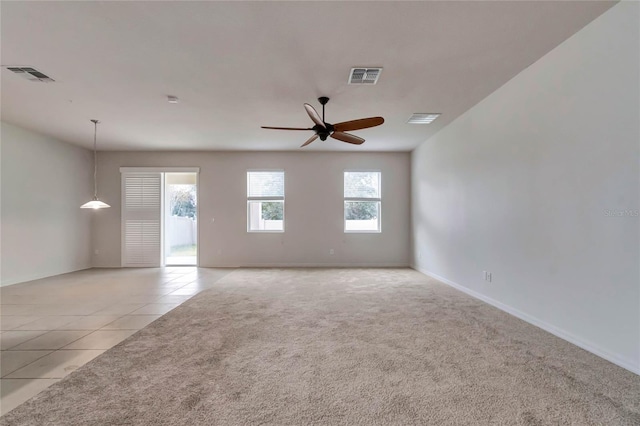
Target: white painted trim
{"x":198,"y":227}
{"x":361,"y":170}
{"x":558,"y":332}
{"x":33,"y":277}
{"x":311,"y":265}
{"x":163,"y":177}
{"x":159,"y":169}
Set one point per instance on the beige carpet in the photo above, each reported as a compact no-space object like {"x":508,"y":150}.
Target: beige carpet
{"x":338,"y":347}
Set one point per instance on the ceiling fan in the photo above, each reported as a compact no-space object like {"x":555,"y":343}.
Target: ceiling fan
{"x":336,"y":131}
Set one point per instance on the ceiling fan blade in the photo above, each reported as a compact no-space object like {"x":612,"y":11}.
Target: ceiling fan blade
{"x":311,"y":139}
{"x":313,"y":114}
{"x":285,"y":128}
{"x":363,"y":123}
{"x":346,"y":137}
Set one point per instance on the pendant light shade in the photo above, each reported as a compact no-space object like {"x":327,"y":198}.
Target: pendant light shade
{"x":95,"y":203}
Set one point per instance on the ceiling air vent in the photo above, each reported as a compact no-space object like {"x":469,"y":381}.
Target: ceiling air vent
{"x":364,"y":75}
{"x":423,"y":118}
{"x":30,"y":74}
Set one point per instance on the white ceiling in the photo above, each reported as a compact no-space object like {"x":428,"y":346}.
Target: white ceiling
{"x":238,"y":65}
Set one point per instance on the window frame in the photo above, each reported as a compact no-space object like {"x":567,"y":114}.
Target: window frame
{"x":346,"y":199}
{"x":267,"y":199}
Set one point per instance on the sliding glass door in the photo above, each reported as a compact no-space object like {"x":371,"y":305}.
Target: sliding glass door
{"x":159,"y":216}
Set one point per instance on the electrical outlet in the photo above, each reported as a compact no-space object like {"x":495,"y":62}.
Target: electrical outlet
{"x":486,"y":275}
{"x":330,"y":251}
{"x":489,"y":276}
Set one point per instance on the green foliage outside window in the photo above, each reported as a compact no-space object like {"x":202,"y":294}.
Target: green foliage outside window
{"x":183,"y":201}
{"x":361,"y":210}
{"x":272,"y":211}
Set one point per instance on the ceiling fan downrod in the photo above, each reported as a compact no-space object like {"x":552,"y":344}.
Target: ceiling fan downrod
{"x":324,"y":133}
{"x":323,"y":100}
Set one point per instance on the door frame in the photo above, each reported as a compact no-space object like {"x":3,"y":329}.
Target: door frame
{"x":164,"y":189}
{"x":162,"y":171}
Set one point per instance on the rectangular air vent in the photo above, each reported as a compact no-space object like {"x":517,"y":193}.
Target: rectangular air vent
{"x":423,"y":118}
{"x":31,"y":74}
{"x":364,"y":75}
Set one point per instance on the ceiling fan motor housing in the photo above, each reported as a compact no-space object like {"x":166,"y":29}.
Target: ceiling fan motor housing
{"x":323,"y":132}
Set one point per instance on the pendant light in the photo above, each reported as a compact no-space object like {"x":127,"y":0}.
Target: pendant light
{"x":95,"y":203}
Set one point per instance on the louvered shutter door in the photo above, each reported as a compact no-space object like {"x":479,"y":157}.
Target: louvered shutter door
{"x":141,"y":219}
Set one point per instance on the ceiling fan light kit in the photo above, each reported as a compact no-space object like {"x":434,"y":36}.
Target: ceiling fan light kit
{"x":336,"y":131}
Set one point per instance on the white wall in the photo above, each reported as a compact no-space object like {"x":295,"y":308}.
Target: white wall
{"x":313,"y":208}
{"x":520,"y":186}
{"x":44,"y":182}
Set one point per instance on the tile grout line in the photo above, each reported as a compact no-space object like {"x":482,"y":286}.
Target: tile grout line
{"x":40,"y":357}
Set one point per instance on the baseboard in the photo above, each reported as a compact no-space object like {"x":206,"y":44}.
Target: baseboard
{"x":33,"y":277}
{"x":569,"y":337}
{"x":311,"y":265}
{"x":281,"y":265}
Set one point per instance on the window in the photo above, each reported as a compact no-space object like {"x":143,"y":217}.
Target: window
{"x":362,"y":201}
{"x":265,"y":201}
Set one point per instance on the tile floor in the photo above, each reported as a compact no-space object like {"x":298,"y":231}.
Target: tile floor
{"x":52,"y":326}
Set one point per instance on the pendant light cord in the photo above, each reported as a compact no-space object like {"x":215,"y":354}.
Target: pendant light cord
{"x":95,"y":160}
